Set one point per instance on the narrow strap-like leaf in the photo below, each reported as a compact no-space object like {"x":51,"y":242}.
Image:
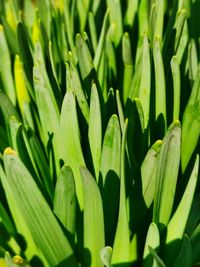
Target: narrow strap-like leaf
{"x":110,"y":173}
{"x":74,"y":82}
{"x":65,"y":199}
{"x":191,"y":123}
{"x":184,"y":257}
{"x":153,"y":240}
{"x":93,"y":30}
{"x":71,"y":146}
{"x":7,"y":107}
{"x":16,"y":213}
{"x":48,"y":110}
{"x":157,"y":260}
{"x":95,"y":130}
{"x":160,"y":93}
{"x":36,"y":212}
{"x":101,"y":41}
{"x":192,"y":60}
{"x":122,"y":240}
{"x":148,"y":173}
{"x":115,"y":20}
{"x":167,"y":174}
{"x":25,"y":51}
{"x":131,"y":12}
{"x":93,"y":221}
{"x":85,"y":62}
{"x":157,"y":19}
{"x":145,"y":81}
{"x":176,"y":86}
{"x":6,"y":68}
{"x":176,"y":226}
{"x":128,"y":65}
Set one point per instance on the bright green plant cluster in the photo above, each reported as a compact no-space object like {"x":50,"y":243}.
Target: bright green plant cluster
{"x":99,"y":133}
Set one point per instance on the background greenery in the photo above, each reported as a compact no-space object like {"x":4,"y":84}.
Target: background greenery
{"x":99,"y":133}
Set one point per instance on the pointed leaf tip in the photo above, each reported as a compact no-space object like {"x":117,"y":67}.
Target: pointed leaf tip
{"x":9,"y":151}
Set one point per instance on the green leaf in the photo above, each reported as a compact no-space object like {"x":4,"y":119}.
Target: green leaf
{"x":95,"y":130}
{"x":158,"y":262}
{"x":18,"y":144}
{"x":22,"y":91}
{"x":39,"y":158}
{"x":36,"y":212}
{"x":53,"y":62}
{"x":177,"y":224}
{"x":69,"y":26}
{"x":160,"y":93}
{"x":120,"y":110}
{"x":182,"y":46}
{"x":101,"y":41}
{"x":176,"y":36}
{"x":128,"y":65}
{"x":122,"y":239}
{"x":83,"y":8}
{"x":133,"y":250}
{"x":191,"y":124}
{"x":7,"y":108}
{"x":65,"y":199}
{"x":148,"y":173}
{"x":65,"y":46}
{"x":167,"y":174}
{"x":6,"y":68}
{"x":115,"y":20}
{"x":93,"y":221}
{"x":44,"y":8}
{"x":179,"y":27}
{"x":11,"y":36}
{"x":29,"y":13}
{"x":106,"y":255}
{"x":3,"y":139}
{"x":153,"y":240}
{"x":140,"y":112}
{"x":111,"y":57}
{"x":176,"y":86}
{"x":20,"y":223}
{"x":85,"y":63}
{"x":131,"y":12}
{"x":6,"y":220}
{"x":93,"y":30}
{"x":141,"y":81}
{"x":184,"y":258}
{"x":157,"y":19}
{"x":145,"y":81}
{"x":25,"y":51}
{"x":47,"y":108}
{"x":71,"y":146}
{"x":74,"y":82}
{"x":95,"y":5}
{"x":16,"y":261}
{"x":110,"y":173}
{"x":143,"y":16}
{"x":102,"y":75}
{"x":192,"y":60}
{"x":195,"y":241}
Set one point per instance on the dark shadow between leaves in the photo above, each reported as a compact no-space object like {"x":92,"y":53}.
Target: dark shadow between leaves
{"x":86,"y":257}
{"x":135,"y":136}
{"x":123,"y":264}
{"x":171,"y":252}
{"x":159,"y":127}
{"x":110,"y":197}
{"x":70,"y":261}
{"x":36,"y":262}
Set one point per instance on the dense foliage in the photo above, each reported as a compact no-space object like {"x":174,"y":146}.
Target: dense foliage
{"x":99,"y":133}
